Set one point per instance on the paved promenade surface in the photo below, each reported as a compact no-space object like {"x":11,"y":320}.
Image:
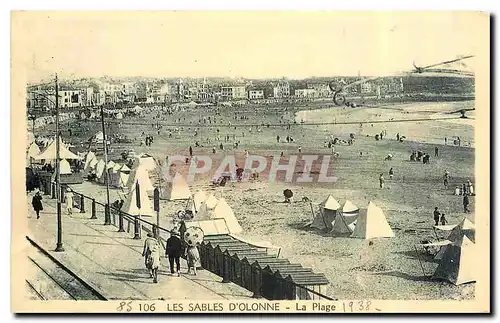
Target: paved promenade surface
{"x":111,"y":261}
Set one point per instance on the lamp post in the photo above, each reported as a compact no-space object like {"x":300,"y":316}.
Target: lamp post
{"x":59,"y":246}
{"x":107,"y":210}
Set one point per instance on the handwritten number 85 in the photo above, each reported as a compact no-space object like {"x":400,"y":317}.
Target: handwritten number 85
{"x":128,"y":307}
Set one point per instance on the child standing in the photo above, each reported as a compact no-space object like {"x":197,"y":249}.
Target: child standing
{"x":193,"y":257}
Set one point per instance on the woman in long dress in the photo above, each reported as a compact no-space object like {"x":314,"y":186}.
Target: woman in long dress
{"x":151,"y":254}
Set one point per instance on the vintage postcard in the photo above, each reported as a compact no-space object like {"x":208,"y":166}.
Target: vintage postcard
{"x":250,"y":162}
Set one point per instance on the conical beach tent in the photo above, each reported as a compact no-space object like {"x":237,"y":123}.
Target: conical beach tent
{"x":207,"y":207}
{"x":99,"y":168}
{"x":114,"y":176}
{"x":464,"y":228}
{"x":145,"y":161}
{"x":458,"y":263}
{"x":198,"y":198}
{"x":344,"y":223}
{"x":140,"y":174}
{"x":176,"y":189}
{"x":327,"y":212}
{"x":349,"y":208}
{"x":130,"y":204}
{"x":223,"y":211}
{"x":33,"y":150}
{"x":372,"y":223}
{"x":90,"y":156}
{"x":64,"y":167}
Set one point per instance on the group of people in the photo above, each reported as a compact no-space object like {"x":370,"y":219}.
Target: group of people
{"x":173,"y":251}
{"x":420,"y":156}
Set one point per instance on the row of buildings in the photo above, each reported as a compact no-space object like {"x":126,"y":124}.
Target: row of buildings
{"x":106,"y":92}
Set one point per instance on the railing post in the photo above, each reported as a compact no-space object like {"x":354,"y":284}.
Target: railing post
{"x":82,"y":203}
{"x":107,"y":215}
{"x":225,"y":269}
{"x":94,"y":216}
{"x":120,"y":222}
{"x":137,"y":228}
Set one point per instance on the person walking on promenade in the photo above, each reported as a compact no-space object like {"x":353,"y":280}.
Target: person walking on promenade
{"x":69,"y":201}
{"x":173,"y":252}
{"x":436,"y":152}
{"x":37,"y":203}
{"x":151,"y":254}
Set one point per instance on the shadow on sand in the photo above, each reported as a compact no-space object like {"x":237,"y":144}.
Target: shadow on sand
{"x":406,"y":276}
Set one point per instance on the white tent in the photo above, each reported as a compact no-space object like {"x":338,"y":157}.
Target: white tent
{"x":88,"y":159}
{"x":98,"y":137}
{"x":223,"y":211}
{"x":124,"y":168}
{"x":176,"y":189}
{"x":64,"y":167}
{"x":349,"y":208}
{"x":119,"y":116}
{"x":464,"y":228}
{"x":130,"y":204}
{"x":326,"y":216}
{"x":459,"y":263}
{"x":140,"y":174}
{"x":198,"y":198}
{"x":99,"y":168}
{"x":344,"y":223}
{"x":33,"y":150}
{"x":145,"y":161}
{"x":207,"y":207}
{"x":50,"y":152}
{"x":371,"y":223}
{"x":93,"y":163}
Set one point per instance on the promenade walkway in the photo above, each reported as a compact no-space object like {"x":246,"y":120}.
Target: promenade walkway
{"x":111,"y":261}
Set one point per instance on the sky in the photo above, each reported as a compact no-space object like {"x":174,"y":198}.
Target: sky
{"x":239,"y":44}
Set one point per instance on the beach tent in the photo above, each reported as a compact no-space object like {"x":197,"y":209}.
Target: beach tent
{"x":50,"y":152}
{"x":327,"y":212}
{"x":88,"y":158}
{"x":33,"y":150}
{"x":206,"y":207}
{"x":198,"y":198}
{"x":92,"y":165}
{"x":98,"y":137}
{"x":64,"y":167}
{"x":344,"y":223}
{"x":176,"y":189}
{"x":371,"y":223}
{"x":140,"y":174}
{"x":130,"y":204}
{"x":458,"y":263}
{"x":349,"y":208}
{"x":124,"y":169}
{"x":99,"y":168}
{"x":464,"y":228}
{"x":146,"y":161}
{"x":223,"y":211}
{"x":119,"y":116}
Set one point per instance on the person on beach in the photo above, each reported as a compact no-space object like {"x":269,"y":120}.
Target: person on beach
{"x":69,"y":201}
{"x":443,"y":220}
{"x":471,"y":188}
{"x":36,"y":202}
{"x":173,"y":252}
{"x":446,"y":178}
{"x":436,"y":215}
{"x":151,"y":254}
{"x":391,"y":173}
{"x":436,"y":152}
{"x":381,"y":180}
{"x":466,"y":203}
